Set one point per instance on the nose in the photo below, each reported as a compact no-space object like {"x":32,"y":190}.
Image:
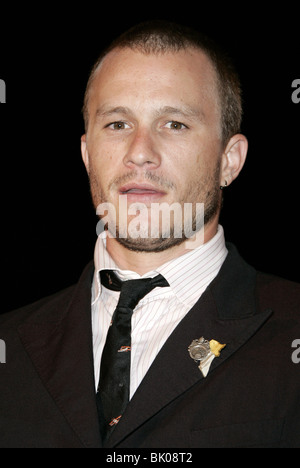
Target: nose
{"x":142,"y":151}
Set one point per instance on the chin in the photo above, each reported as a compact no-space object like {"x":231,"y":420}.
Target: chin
{"x":150,"y":245}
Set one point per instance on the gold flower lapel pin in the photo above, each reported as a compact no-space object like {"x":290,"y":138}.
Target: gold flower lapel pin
{"x":205,"y":351}
{"x":216,"y":347}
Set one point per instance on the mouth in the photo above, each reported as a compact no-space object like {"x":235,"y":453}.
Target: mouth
{"x":141,"y":192}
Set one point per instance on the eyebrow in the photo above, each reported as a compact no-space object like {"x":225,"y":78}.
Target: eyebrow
{"x":185,"y":111}
{"x":103,"y":111}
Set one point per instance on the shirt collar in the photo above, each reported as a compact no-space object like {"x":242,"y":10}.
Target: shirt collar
{"x":193,"y":271}
{"x":185,"y":274}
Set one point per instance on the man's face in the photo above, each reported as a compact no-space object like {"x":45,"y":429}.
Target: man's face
{"x":154,"y":135}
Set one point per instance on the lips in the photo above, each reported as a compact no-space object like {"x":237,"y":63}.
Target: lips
{"x":139,"y":189}
{"x":141,"y":192}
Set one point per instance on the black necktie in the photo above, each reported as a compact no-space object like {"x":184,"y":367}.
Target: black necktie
{"x":114,"y":383}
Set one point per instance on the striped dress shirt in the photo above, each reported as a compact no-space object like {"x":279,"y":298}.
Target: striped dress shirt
{"x":158,"y":313}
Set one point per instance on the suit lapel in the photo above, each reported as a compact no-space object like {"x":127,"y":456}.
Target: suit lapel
{"x":227,"y":313}
{"x":61,"y":351}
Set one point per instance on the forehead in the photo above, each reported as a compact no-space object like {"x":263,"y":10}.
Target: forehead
{"x":130,"y":78}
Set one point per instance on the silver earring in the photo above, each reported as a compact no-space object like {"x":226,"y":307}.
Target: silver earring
{"x":223,"y":186}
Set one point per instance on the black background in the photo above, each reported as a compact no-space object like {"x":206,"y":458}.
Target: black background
{"x":48,"y":223}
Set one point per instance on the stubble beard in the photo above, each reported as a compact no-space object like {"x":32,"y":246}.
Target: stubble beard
{"x":206,"y":190}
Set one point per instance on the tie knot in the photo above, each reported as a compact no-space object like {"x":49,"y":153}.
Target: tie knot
{"x":132,"y":291}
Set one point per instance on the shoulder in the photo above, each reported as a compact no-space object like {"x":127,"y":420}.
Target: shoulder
{"x":51,"y":305}
{"x":270,"y":291}
{"x":50,"y":308}
{"x":279,"y":294}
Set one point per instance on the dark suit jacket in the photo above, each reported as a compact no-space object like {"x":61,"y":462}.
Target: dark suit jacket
{"x":250,"y":398}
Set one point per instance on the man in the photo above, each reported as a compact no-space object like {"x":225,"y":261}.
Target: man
{"x":207,"y":357}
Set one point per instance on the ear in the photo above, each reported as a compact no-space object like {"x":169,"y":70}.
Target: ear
{"x":233,"y":158}
{"x":84,"y":153}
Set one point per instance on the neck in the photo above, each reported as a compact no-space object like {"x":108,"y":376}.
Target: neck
{"x":143,"y":262}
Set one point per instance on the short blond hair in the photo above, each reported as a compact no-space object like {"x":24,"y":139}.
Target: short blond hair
{"x":158,"y":37}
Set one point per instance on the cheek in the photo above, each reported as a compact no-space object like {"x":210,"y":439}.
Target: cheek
{"x":104,"y":161}
{"x":196,"y":172}
{"x":188,"y":161}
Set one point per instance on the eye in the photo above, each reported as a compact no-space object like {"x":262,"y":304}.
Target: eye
{"x":117,"y":126}
{"x":173,"y":125}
